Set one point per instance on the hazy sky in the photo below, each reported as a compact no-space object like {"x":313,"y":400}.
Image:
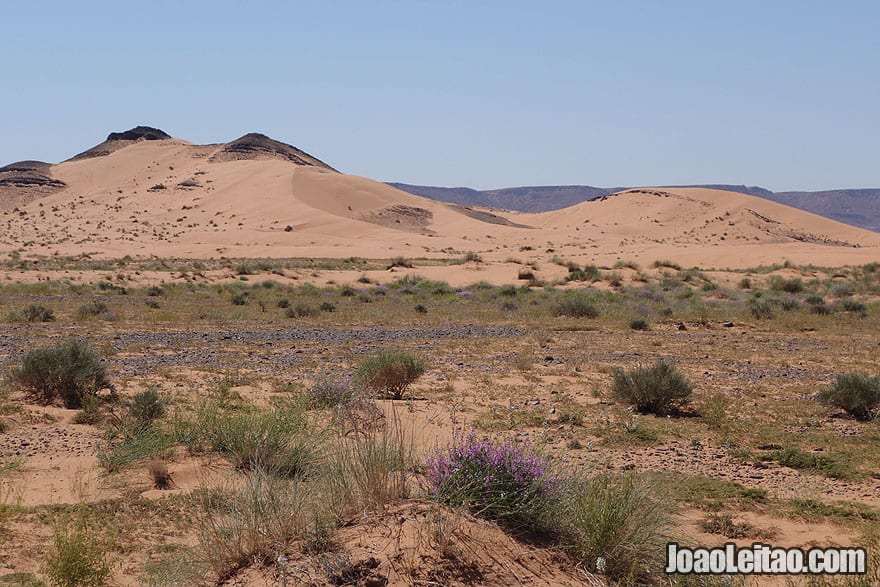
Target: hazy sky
{"x":782,"y":94}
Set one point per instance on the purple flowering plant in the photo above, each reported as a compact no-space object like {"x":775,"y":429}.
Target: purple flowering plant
{"x":498,"y":480}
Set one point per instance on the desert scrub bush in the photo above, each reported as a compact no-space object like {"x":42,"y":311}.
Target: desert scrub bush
{"x":793,"y":285}
{"x":500,"y":481}
{"x":400,"y":262}
{"x":279,"y":440}
{"x":855,"y":393}
{"x":92,"y":309}
{"x":132,"y":443}
{"x":639,"y":324}
{"x":829,"y":465}
{"x":854,"y":307}
{"x":67,"y":372}
{"x":660,"y":263}
{"x":761,"y":309}
{"x":240,"y":298}
{"x":617,"y":523}
{"x":147,"y":406}
{"x":301,"y":310}
{"x":508,"y":290}
{"x":329,"y":392}
{"x":370,"y":468}
{"x":390,"y":373}
{"x":327,"y":307}
{"x":33,"y":313}
{"x":588,"y":273}
{"x":659,"y":389}
{"x":254,"y":522}
{"x":78,"y":556}
{"x":577,"y":305}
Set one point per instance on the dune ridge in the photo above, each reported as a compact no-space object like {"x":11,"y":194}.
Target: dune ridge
{"x":145,"y":192}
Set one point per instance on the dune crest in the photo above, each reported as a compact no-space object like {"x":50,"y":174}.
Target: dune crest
{"x":146,"y":192}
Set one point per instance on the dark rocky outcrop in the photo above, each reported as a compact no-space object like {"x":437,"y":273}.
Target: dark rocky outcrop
{"x":259,"y":146}
{"x":26,"y":181}
{"x":118,"y":140}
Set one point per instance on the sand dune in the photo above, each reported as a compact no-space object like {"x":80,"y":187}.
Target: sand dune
{"x":145,"y":193}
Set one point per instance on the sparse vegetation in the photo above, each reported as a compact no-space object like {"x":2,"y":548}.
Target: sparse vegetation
{"x":79,"y":556}
{"x":67,"y":373}
{"x":390,"y":373}
{"x":577,"y":305}
{"x":856,"y":393}
{"x":659,"y":389}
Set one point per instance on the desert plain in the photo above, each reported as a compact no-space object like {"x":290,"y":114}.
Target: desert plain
{"x":234,"y":292}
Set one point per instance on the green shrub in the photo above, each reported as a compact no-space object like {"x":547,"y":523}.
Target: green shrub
{"x":508,"y":290}
{"x":283,"y":303}
{"x":793,"y":285}
{"x":134,"y":443}
{"x":660,"y":389}
{"x":277,"y":441}
{"x":824,"y":464}
{"x":390,"y":373}
{"x":91,"y":309}
{"x":68,"y":372}
{"x":577,"y":305}
{"x":301,"y":310}
{"x":78,"y":558}
{"x":821,"y":310}
{"x":38,"y":313}
{"x":639,"y":324}
{"x":90,"y":413}
{"x":618,"y":520}
{"x":147,"y":406}
{"x":855,"y":307}
{"x":240,"y":298}
{"x":589,"y":273}
{"x":814,"y":299}
{"x":327,"y":307}
{"x":855,"y":393}
{"x":665,"y":263}
{"x":761,"y":309}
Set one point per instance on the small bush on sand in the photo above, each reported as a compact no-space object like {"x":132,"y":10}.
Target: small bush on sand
{"x":761,"y":309}
{"x":328,"y":392}
{"x":793,"y":285}
{"x":639,"y":324}
{"x":252,"y":522}
{"x":577,"y":305}
{"x":589,"y":273}
{"x":855,"y":393}
{"x":35,"y":313}
{"x":78,"y":557}
{"x":499,"y":481}
{"x":240,"y":298}
{"x":390,"y":373}
{"x":659,"y":389}
{"x":615,"y":525}
{"x":277,"y":441}
{"x":92,"y":309}
{"x":370,"y":468}
{"x":147,"y":406}
{"x":67,"y":372}
{"x":301,"y":310}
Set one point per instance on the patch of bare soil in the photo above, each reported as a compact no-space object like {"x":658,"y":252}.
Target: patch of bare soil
{"x":417,"y":543}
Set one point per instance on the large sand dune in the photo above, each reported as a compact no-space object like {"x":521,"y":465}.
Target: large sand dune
{"x":144,"y":193}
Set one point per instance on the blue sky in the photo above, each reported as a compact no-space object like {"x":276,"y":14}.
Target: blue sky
{"x":782,"y":94}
